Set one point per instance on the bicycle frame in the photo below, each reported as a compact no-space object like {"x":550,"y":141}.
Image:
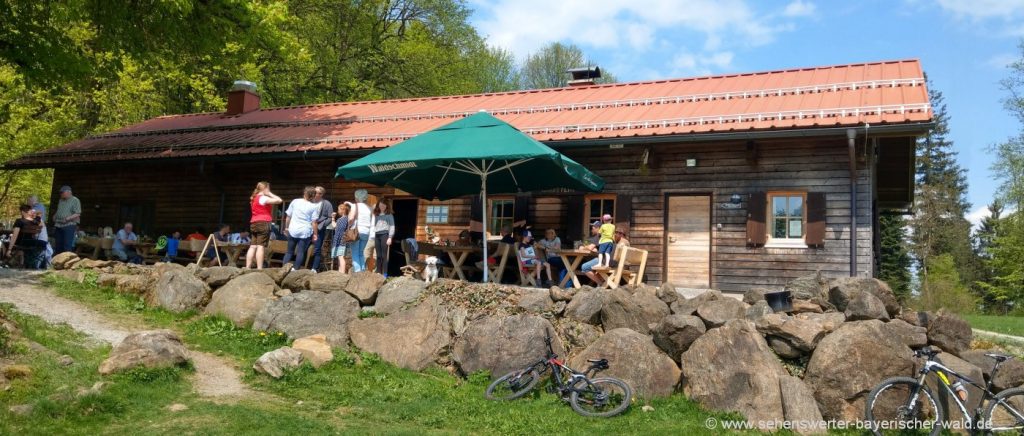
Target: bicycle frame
{"x":941,"y":371}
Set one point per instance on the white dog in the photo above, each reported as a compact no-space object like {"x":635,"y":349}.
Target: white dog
{"x":430,"y":271}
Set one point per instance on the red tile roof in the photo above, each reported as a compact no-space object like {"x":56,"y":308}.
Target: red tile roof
{"x":833,"y":96}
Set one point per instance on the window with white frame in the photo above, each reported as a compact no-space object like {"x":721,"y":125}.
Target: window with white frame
{"x":437,"y":214}
{"x":599,"y":205}
{"x":501,"y":214}
{"x":788,"y":216}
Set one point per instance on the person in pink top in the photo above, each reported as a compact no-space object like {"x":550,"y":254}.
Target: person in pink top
{"x":261,"y":203}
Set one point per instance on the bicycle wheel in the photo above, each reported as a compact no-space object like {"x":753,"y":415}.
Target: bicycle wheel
{"x":512,"y":385}
{"x":889,"y":410}
{"x":601,"y":398}
{"x":1006,"y":411}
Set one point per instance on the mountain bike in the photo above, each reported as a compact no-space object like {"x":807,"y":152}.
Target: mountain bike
{"x":900,"y":404}
{"x":594,"y":397}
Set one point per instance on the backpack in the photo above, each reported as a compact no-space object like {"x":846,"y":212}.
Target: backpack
{"x":352,"y":233}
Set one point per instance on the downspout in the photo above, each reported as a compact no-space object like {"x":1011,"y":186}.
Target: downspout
{"x":851,"y":140}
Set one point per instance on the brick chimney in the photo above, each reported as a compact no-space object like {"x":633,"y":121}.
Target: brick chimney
{"x":242,"y":98}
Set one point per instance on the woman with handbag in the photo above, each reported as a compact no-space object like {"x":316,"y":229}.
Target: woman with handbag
{"x":24,"y":237}
{"x":361,"y":220}
{"x":339,"y":243}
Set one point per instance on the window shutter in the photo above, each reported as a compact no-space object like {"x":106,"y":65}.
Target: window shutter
{"x":624,"y":212}
{"x":575,"y":228}
{"x":815,"y":219}
{"x":521,"y":211}
{"x":757,"y":208}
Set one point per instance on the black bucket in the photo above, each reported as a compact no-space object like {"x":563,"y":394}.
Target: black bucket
{"x":779,"y":301}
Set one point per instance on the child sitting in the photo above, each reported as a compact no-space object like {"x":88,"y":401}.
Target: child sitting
{"x":171,"y":246}
{"x":606,"y":244}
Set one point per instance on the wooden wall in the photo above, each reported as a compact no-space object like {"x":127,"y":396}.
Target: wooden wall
{"x":189,"y":195}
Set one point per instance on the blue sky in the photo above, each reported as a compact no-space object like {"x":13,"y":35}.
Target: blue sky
{"x":964,"y":47}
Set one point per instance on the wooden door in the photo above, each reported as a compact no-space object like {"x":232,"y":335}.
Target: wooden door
{"x":688,"y":241}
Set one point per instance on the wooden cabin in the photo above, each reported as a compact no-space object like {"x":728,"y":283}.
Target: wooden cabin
{"x":730,"y":182}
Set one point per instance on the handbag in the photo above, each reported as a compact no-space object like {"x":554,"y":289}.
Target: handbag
{"x":352,"y":232}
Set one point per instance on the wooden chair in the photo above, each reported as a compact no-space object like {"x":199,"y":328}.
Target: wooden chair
{"x":496,"y":271}
{"x":276,"y":247}
{"x":410,"y":260}
{"x":627,"y":258}
{"x":525,"y":272}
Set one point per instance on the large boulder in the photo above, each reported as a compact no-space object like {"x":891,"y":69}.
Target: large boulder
{"x":309,"y":313}
{"x":217,"y":276}
{"x":147,"y":349}
{"x":132,"y":284}
{"x":586,"y":307}
{"x":413,"y":339}
{"x":808,"y":287}
{"x":753,"y":295}
{"x":73,"y":276}
{"x":675,"y":333}
{"x":731,"y":368}
{"x":637,"y":311}
{"x":180,"y":290}
{"x":950,"y":333}
{"x":276,"y":274}
{"x":60,"y":260}
{"x":919,"y":319}
{"x":501,"y":344}
{"x":94,"y":264}
{"x":275,"y":363}
{"x":799,"y":406}
{"x":633,"y":358}
{"x":314,"y":349}
{"x":1010,"y":374}
{"x":784,"y":348}
{"x":910,"y":335}
{"x":716,"y":313}
{"x":851,"y":361}
{"x":688,"y":306}
{"x":535,"y":300}
{"x":106,"y":280}
{"x":364,"y":286}
{"x":668,"y":294}
{"x":757,"y":310}
{"x":559,"y":294}
{"x":802,"y":332}
{"x":864,"y":305}
{"x":297,"y":280}
{"x":328,"y":281}
{"x":577,"y":336}
{"x":397,"y":293}
{"x":843,"y":290}
{"x":241,"y":299}
{"x":161,"y":268}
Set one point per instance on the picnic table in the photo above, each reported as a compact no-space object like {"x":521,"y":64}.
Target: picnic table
{"x":572,"y":260}
{"x":457,"y":253}
{"x":234,"y":251}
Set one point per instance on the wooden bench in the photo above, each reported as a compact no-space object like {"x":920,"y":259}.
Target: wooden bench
{"x":630,"y":267}
{"x":497,"y":271}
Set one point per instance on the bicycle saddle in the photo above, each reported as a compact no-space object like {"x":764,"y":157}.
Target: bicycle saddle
{"x":597,"y":360}
{"x":999,"y":357}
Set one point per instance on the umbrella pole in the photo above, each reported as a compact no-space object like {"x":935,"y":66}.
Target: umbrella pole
{"x":483,"y":198}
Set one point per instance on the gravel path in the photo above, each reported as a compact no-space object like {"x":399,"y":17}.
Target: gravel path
{"x":1007,"y":337}
{"x":214,"y":377}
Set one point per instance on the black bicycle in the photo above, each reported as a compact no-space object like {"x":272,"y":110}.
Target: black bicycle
{"x":595,"y":397}
{"x":900,"y":404}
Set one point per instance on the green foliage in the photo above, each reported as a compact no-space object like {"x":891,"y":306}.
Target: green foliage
{"x":219,"y":335}
{"x":894,"y":259}
{"x":941,"y":288}
{"x":939,"y":226}
{"x":5,"y":341}
{"x":1009,"y":325}
{"x":547,"y":68}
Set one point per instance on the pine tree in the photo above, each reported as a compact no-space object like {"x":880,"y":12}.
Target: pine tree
{"x":894,"y":259}
{"x":939,"y":226}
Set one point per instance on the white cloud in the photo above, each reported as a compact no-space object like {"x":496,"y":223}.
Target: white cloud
{"x":975,"y":216}
{"x":686,"y":63}
{"x":983,"y":9}
{"x":799,"y":8}
{"x":523,"y":26}
{"x":1001,"y":61}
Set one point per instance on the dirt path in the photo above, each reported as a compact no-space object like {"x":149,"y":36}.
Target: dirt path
{"x":1017,"y":339}
{"x":214,"y":377}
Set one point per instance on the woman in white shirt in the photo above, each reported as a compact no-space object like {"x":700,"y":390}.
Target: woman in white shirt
{"x":361,"y":217}
{"x":300,"y":225}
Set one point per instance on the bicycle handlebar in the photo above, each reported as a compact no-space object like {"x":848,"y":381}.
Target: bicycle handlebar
{"x":926,"y":352}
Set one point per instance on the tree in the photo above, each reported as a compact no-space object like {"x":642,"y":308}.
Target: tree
{"x":939,"y":226}
{"x":942,"y":288}
{"x":547,"y":68}
{"x":894,"y":259}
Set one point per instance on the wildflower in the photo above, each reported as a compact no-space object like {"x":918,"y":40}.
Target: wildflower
{"x":263,"y":333}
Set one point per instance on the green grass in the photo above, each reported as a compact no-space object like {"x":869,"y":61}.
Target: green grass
{"x":359,"y":393}
{"x":1010,"y":325}
{"x":131,"y":403}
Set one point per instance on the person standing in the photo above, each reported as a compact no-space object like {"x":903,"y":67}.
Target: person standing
{"x":338,"y":243}
{"x":300,"y":227}
{"x":383,"y":231}
{"x":66,"y":219}
{"x":37,"y":206}
{"x":361,"y":217}
{"x":24,"y":235}
{"x":323,"y":220}
{"x":261,"y":206}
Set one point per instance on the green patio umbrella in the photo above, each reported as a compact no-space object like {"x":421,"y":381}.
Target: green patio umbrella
{"x":479,"y":154}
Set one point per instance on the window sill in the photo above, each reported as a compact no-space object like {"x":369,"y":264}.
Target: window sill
{"x":786,"y":243}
